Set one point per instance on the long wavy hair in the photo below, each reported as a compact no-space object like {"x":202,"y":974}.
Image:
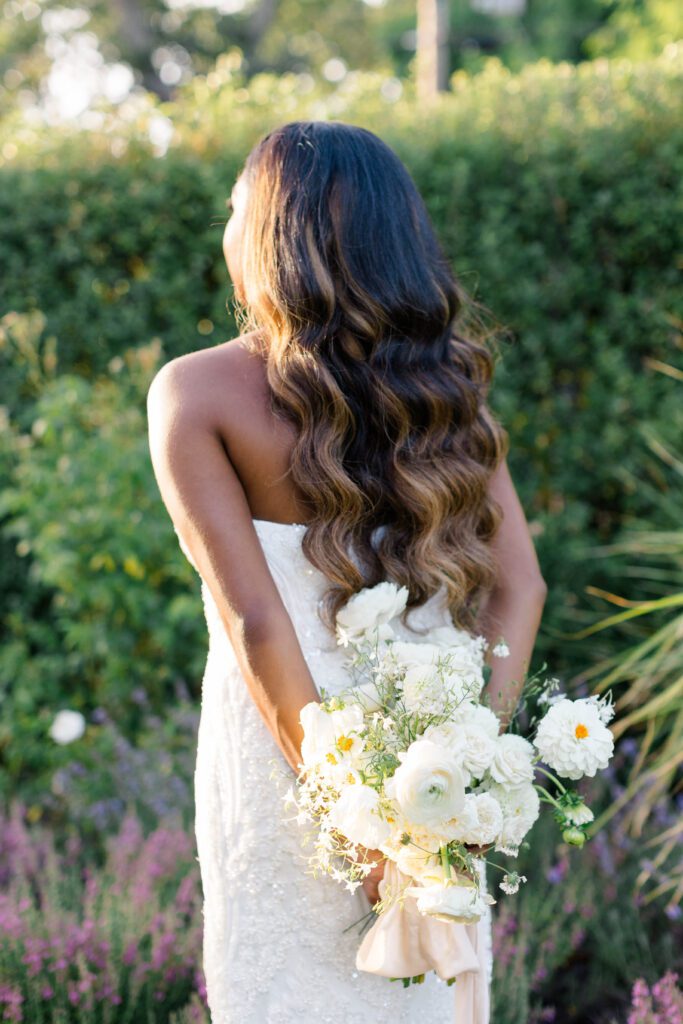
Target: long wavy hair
{"x":350,"y":297}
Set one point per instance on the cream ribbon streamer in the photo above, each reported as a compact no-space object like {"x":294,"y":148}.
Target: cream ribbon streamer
{"x":403,"y":942}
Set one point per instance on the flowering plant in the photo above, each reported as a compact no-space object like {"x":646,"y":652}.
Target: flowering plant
{"x":409,"y":760}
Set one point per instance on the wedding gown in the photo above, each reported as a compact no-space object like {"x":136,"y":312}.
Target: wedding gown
{"x":275,"y":949}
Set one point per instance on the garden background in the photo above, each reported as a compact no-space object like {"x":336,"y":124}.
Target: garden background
{"x":555,"y":184}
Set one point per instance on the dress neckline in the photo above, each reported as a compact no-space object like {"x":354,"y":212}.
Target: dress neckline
{"x":272,"y":522}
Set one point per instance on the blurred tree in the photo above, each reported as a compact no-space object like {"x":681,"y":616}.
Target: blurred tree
{"x":637,"y":29}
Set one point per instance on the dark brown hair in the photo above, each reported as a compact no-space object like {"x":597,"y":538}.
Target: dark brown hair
{"x":344,"y":278}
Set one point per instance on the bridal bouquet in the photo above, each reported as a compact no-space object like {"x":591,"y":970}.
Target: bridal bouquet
{"x":408,"y":760}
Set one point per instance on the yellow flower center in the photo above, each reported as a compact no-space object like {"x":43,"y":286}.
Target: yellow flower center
{"x":350,"y":778}
{"x":581,"y":731}
{"x":345,"y":742}
{"x":390,"y":819}
{"x":331,"y":758}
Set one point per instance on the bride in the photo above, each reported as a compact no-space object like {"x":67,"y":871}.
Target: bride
{"x":343,"y":438}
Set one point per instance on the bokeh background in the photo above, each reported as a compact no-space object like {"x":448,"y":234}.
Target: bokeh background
{"x":547,"y":141}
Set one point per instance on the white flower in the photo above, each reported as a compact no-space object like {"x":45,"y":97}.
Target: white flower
{"x":428,"y":785}
{"x":405,"y":654}
{"x":481,"y":821}
{"x":512,"y":762}
{"x":604,"y":707}
{"x":512,"y":882}
{"x":572,"y":739}
{"x":368,"y":696}
{"x":501,"y":650}
{"x":355,"y":814}
{"x":371,"y":607}
{"x":473,"y":747}
{"x":478,"y":715}
{"x":461,"y":904}
{"x":579,"y":815}
{"x":521,"y":807}
{"x":322,"y":730}
{"x":67,"y":726}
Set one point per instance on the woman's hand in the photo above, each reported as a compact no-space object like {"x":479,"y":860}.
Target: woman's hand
{"x":371,"y":881}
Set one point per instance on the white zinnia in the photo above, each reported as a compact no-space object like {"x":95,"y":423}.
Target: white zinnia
{"x":371,"y":607}
{"x":579,"y":815}
{"x":573,"y":740}
{"x":521,"y":807}
{"x":460,"y":904}
{"x":67,"y":726}
{"x":428,"y":785}
{"x":355,"y":814}
{"x":512,"y":762}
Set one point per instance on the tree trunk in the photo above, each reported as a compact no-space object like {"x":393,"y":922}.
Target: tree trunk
{"x":433,"y":54}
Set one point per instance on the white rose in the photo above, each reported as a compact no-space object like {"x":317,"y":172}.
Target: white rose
{"x":460,"y":904}
{"x":573,"y":740}
{"x":472,"y":746}
{"x":356,"y":815}
{"x":512,"y":762}
{"x":428,"y":785}
{"x":521,"y":807}
{"x":485,"y":820}
{"x":322,"y":730}
{"x":405,"y":654}
{"x":67,"y":726}
{"x":470,"y":713}
{"x":369,"y":608}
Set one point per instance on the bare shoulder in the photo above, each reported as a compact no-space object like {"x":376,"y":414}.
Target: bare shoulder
{"x":226,"y":379}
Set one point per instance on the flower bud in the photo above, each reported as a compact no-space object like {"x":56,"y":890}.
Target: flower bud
{"x":574,"y":836}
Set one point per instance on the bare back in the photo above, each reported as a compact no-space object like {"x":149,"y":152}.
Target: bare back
{"x":232,"y":380}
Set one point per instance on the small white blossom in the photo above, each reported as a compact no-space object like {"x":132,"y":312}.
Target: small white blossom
{"x":512,"y":882}
{"x":501,"y":650}
{"x":67,"y":726}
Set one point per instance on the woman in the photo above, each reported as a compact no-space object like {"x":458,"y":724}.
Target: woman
{"x":343,"y":438}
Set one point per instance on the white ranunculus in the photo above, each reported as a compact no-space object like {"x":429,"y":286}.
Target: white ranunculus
{"x":521,"y":807}
{"x":323,"y":728}
{"x":356,"y":815}
{"x":371,"y":607}
{"x":483,"y":822}
{"x":459,"y":904}
{"x":512,"y":763}
{"x":428,"y":785}
{"x":67,"y":726}
{"x":473,"y":747}
{"x":573,"y":740}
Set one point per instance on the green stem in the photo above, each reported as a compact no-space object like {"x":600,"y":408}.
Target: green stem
{"x":547,"y":799}
{"x":446,"y":864}
{"x":551,"y":776}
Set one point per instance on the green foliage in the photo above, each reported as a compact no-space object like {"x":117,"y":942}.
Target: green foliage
{"x":107,"y":603}
{"x":555,"y":193}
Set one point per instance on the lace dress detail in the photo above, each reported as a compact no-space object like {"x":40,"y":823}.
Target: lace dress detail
{"x":274,"y":946}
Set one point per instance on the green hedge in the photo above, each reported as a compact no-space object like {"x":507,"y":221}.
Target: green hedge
{"x":556,"y":193}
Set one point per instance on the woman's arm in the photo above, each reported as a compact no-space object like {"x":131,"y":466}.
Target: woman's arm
{"x":208,"y":507}
{"x":514,"y":607}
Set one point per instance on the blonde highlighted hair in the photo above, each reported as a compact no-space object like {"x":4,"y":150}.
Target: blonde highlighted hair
{"x":349,"y":294}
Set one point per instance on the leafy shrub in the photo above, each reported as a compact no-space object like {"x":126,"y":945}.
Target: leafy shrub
{"x":109,"y":605}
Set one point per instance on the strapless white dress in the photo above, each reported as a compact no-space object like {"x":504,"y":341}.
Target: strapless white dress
{"x":274,"y":946}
